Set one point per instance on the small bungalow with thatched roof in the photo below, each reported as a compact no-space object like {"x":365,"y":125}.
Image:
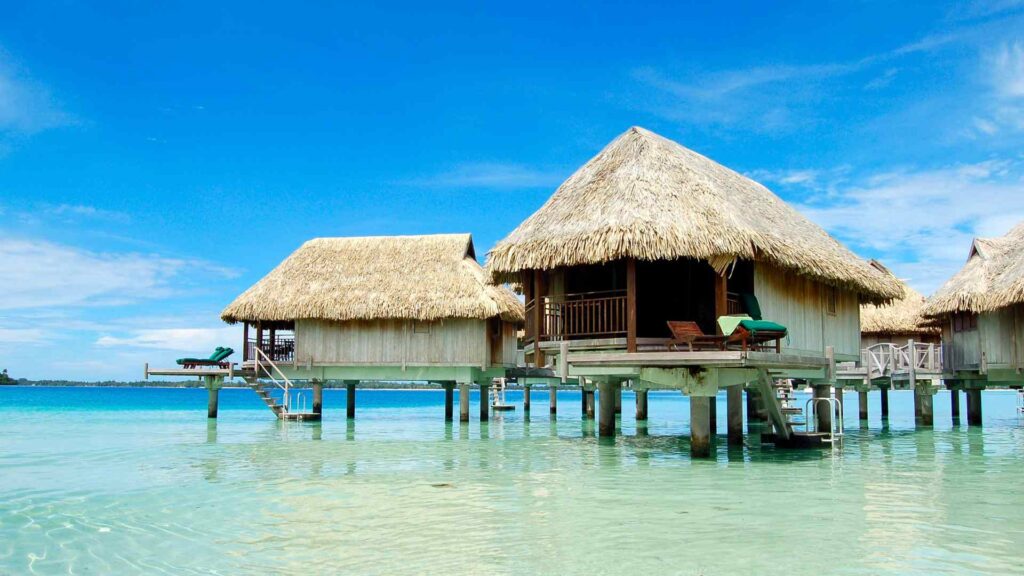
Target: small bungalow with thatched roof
{"x":981,"y":312}
{"x":392,"y":308}
{"x":898,"y":321}
{"x":649,"y":232}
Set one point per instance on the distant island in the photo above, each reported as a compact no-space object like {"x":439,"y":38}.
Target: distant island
{"x":7,"y":380}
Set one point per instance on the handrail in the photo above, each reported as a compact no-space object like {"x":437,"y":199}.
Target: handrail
{"x":835,"y":408}
{"x":286,"y":387}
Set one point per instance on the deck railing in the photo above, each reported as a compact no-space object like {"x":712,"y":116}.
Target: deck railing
{"x":282,"y":349}
{"x":885,"y":358}
{"x":581,"y":315}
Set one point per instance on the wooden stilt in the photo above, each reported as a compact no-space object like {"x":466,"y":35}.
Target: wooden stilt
{"x":553,"y":399}
{"x":526,"y":398}
{"x":318,"y":397}
{"x":954,"y":404}
{"x":927,"y":411}
{"x":974,"y":407}
{"x":449,"y":401}
{"x":753,"y":416}
{"x":823,"y":410}
{"x":713,"y":415}
{"x":591,"y":406}
{"x":350,"y":399}
{"x":641,"y":405}
{"x":485,"y":401}
{"x":212,"y":402}
{"x":885,"y":403}
{"x":862,"y":404}
{"x":463,"y":402}
{"x":606,"y":421}
{"x":618,"y":398}
{"x":734,"y":410}
{"x":700,"y":426}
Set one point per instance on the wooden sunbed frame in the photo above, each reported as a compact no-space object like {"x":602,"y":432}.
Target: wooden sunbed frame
{"x":688,"y":333}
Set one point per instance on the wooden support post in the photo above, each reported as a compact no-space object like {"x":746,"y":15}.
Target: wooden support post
{"x":823,"y":410}
{"x":700,"y":426}
{"x":463,"y":402}
{"x":618,"y":398}
{"x":590,"y":408}
{"x":630,"y":305}
{"x":212,"y":402}
{"x":954,"y":404}
{"x":734,"y":411}
{"x":641,"y":405}
{"x":553,"y":398}
{"x":721,"y":299}
{"x":350,"y":399}
{"x":526,"y":398}
{"x":974,"y":407}
{"x":259,"y":339}
{"x":713,"y":415}
{"x":538,"y":317}
{"x":927,"y":414}
{"x":606,"y":420}
{"x":318,"y":397}
{"x":862,"y":404}
{"x":449,"y":401}
{"x":245,"y":341}
{"x":485,"y":401}
{"x":753,"y":415}
{"x":273,"y":345}
{"x":583,"y":398}
{"x":885,"y":404}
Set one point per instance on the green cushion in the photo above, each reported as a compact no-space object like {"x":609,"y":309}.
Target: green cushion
{"x":216,"y":351}
{"x":750,"y":305}
{"x":224,"y":353}
{"x":755,"y":326}
{"x":182,"y":361}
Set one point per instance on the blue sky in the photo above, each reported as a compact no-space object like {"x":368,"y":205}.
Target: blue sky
{"x":156,"y":162}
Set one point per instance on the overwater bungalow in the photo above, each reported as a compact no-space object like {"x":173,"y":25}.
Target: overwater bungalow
{"x":649,"y":232}
{"x":395,"y":308}
{"x":981,"y":312}
{"x":900,"y":347}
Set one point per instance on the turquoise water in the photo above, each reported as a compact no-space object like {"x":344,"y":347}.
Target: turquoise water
{"x":126,"y":481}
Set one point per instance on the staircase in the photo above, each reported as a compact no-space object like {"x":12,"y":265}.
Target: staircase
{"x":266,"y":377}
{"x":775,"y":399}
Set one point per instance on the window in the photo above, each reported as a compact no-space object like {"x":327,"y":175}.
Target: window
{"x":831,"y":300}
{"x":965,"y":322}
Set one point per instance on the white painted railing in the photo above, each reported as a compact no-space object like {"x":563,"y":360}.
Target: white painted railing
{"x":884,"y":359}
{"x":262,"y":362}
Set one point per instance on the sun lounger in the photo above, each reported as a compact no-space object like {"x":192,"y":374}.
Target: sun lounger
{"x":215,"y":359}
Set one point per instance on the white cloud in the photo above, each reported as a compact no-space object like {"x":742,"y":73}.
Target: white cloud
{"x":1007,"y":68}
{"x":491,"y":175}
{"x":26,"y":106}
{"x":73,"y":211}
{"x":924,"y":220}
{"x":193,"y":340}
{"x":44,"y":274}
{"x":22,"y":336}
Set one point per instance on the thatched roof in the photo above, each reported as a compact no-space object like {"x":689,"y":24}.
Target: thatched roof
{"x":399,"y":277}
{"x":992,"y":278}
{"x":649,"y":198}
{"x":901,"y":316}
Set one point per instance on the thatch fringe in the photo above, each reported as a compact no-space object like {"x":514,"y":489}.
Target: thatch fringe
{"x":902,"y":316}
{"x":649,"y":198}
{"x":386,"y":277}
{"x":992,"y":278}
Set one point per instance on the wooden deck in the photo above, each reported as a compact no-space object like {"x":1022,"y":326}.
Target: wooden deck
{"x":718,"y":359}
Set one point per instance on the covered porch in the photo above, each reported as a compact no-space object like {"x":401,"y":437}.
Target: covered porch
{"x":626,"y":304}
{"x":276,"y":341}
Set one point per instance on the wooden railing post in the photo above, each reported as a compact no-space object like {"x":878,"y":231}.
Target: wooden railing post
{"x":539,"y":309}
{"x":630,"y":305}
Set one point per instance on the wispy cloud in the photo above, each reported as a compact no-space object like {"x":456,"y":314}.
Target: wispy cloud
{"x":26,"y":105}
{"x":44,"y":274}
{"x":22,"y":336}
{"x":176,"y":339}
{"x":81,"y":211}
{"x":924,"y":220}
{"x":494,"y":175}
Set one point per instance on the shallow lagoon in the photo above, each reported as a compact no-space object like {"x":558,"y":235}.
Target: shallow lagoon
{"x":102,"y":480}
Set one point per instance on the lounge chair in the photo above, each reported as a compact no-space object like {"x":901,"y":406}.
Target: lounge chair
{"x":689,"y":334}
{"x":745,"y":332}
{"x":215,"y":359}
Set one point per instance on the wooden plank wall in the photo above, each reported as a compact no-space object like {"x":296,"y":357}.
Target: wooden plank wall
{"x":797,"y":302}
{"x":451,"y":342}
{"x":1001,"y":335}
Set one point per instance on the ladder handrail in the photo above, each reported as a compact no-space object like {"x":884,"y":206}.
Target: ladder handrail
{"x":286,"y":387}
{"x":835,"y":408}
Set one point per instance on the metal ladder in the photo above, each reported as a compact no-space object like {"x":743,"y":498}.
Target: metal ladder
{"x":835,"y":434}
{"x":263,"y":365}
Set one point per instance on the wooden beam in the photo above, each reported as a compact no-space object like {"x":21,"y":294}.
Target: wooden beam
{"x":538,"y":317}
{"x":631,"y":305}
{"x":245,"y":341}
{"x":721,"y":299}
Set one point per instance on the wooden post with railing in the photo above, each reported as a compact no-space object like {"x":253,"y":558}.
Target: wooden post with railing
{"x":630,"y":305}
